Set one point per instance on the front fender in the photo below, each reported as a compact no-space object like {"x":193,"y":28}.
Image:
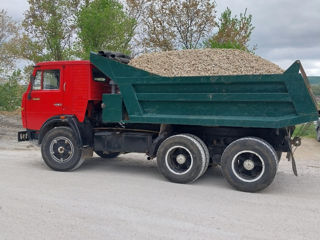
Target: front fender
{"x":62,"y":120}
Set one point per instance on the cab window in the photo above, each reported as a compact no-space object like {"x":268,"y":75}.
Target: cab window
{"x":47,"y":80}
{"x":51,"y":79}
{"x":37,"y":81}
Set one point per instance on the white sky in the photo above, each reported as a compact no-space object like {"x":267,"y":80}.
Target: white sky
{"x":285,"y":30}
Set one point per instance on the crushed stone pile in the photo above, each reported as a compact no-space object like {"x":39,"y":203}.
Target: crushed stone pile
{"x":204,"y":62}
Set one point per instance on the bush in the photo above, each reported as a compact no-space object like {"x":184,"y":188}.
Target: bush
{"x":11,"y":93}
{"x":316,"y":90}
{"x":308,"y":130}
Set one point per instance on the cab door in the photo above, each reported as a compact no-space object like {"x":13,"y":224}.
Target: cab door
{"x":46,"y":97}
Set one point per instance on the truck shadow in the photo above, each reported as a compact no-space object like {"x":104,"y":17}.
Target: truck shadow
{"x":122,"y":165}
{"x":138,"y":165}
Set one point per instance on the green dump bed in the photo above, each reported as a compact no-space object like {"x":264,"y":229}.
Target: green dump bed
{"x":266,"y":101}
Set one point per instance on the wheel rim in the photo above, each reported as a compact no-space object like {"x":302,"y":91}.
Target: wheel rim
{"x":179,"y":160}
{"x":61,"y":149}
{"x":248,"y":166}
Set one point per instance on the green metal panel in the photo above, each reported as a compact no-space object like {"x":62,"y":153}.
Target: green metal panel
{"x":112,"y":111}
{"x":268,"y":101}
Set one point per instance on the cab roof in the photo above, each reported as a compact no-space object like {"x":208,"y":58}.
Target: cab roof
{"x":53,"y":63}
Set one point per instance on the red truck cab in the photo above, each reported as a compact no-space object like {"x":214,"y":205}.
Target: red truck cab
{"x":62,"y":88}
{"x":62,"y":110}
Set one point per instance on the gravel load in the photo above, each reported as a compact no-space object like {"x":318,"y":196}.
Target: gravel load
{"x":204,"y":62}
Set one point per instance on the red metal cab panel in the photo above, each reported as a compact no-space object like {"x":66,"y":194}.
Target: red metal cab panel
{"x":62,"y":87}
{"x":80,"y":88}
{"x":97,"y":88}
{"x":76,"y":87}
{"x":46,"y":97}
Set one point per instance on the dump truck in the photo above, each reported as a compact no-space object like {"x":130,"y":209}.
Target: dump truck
{"x":242,"y":123}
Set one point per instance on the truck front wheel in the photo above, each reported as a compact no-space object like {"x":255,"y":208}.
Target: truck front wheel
{"x":60,"y":151}
{"x":182,"y":159}
{"x":249,"y":164}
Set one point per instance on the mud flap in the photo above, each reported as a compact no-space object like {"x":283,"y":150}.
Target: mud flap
{"x":290,"y":157}
{"x":297,"y":142}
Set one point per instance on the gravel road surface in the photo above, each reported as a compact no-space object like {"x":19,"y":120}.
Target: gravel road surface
{"x":127,"y":198}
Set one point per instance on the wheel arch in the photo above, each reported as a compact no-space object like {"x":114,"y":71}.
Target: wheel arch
{"x":62,"y":121}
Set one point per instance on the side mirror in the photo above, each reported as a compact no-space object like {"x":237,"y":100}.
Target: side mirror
{"x":32,"y":78}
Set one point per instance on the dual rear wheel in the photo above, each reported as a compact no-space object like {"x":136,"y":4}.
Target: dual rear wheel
{"x":248,"y":164}
{"x":183,"y":158}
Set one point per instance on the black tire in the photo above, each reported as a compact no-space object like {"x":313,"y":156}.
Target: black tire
{"x":318,"y":134}
{"x":107,"y":155}
{"x":206,"y":151}
{"x":60,"y":151}
{"x":181,"y":159}
{"x":249,"y":164}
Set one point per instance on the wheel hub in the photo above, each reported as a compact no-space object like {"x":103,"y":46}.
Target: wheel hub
{"x":61,"y":150}
{"x":248,"y":164}
{"x":181,"y":159}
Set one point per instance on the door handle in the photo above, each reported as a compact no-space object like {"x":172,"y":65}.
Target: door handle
{"x":35,"y":99}
{"x":57,"y":104}
{"x":64,"y":86}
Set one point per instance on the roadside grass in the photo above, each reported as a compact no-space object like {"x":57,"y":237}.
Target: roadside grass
{"x":11,"y":113}
{"x":308,"y":131}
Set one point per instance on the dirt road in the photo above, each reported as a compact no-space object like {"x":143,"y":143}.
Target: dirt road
{"x":126,"y":198}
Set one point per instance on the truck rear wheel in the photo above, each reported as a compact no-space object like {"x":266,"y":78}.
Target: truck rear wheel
{"x":60,"y":151}
{"x":181,"y":158}
{"x":107,"y":154}
{"x":249,"y":164}
{"x":206,"y":151}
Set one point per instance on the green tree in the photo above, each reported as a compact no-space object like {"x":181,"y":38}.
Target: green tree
{"x":11,"y":92}
{"x":103,"y":25}
{"x":169,"y":24}
{"x":9,"y":30}
{"x":233,"y":32}
{"x":50,"y":30}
